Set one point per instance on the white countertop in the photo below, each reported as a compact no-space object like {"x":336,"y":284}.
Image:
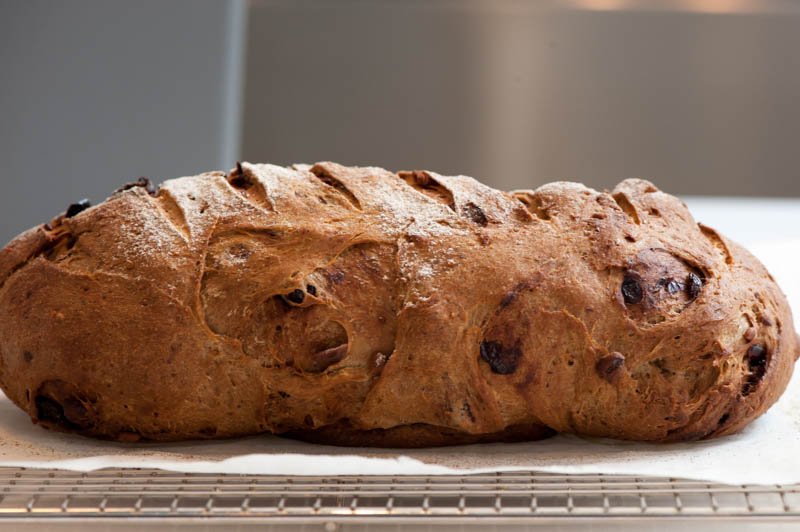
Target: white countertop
{"x":749,"y":221}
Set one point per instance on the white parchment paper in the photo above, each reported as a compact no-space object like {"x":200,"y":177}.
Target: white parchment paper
{"x":766,"y":452}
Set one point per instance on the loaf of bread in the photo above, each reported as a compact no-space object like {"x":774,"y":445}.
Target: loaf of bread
{"x":355,"y":306}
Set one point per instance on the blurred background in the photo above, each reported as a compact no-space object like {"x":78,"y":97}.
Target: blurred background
{"x":700,"y":96}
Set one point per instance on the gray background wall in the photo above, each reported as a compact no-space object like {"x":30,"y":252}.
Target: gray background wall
{"x":701,"y":96}
{"x":94,"y":93}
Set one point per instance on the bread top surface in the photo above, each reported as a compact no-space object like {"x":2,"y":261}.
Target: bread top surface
{"x":294,"y":299}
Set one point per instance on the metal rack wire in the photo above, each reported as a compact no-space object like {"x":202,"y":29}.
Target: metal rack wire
{"x":501,"y":497}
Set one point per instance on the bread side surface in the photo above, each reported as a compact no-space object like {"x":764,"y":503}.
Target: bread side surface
{"x":356,"y":306}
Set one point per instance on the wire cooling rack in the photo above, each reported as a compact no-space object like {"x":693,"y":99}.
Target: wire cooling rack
{"x":334,"y":502}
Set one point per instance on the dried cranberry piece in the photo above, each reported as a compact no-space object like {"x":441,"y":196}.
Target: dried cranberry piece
{"x":608,"y":366}
{"x":673,"y":286}
{"x":631,"y":288}
{"x":756,"y":359}
{"x":693,"y":285}
{"x":476,"y":214}
{"x":77,"y":208}
{"x":503,"y":360}
{"x":295,"y":296}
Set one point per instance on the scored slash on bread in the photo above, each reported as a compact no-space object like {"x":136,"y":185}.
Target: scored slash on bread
{"x":356,"y":306}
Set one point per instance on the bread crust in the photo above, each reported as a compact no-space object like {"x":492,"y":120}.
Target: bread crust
{"x":355,"y":306}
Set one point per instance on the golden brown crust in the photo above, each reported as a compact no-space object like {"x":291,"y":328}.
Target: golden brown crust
{"x":360,"y":307}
